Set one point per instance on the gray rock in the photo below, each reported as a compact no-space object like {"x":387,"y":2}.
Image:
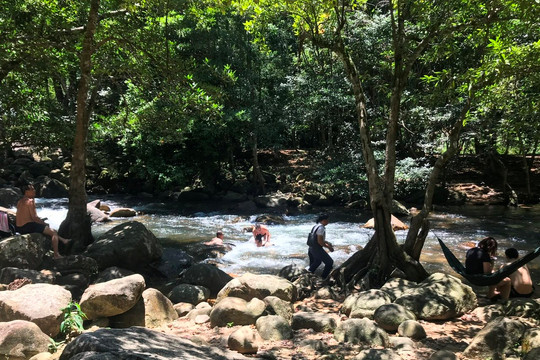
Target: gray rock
{"x":496,"y":339}
{"x":292,"y":272}
{"x":129,"y":245}
{"x":152,"y":310}
{"x":412,"y":329}
{"x":183,"y":308}
{"x":250,"y":286}
{"x":21,"y":339}
{"x":361,"y":331}
{"x":244,"y":340}
{"x":236,"y":311}
{"x":397,"y":287}
{"x":390,"y":316}
{"x":531,"y":340}
{"x":443,"y":355}
{"x":377,"y":354}
{"x":276,"y":306}
{"x":193,"y":294}
{"x":112,"y":273}
{"x":274,"y":327}
{"x":439,"y":297}
{"x":38,"y":303}
{"x":112,"y":297}
{"x":320,"y":322}
{"x":364,"y":304}
{"x":194,"y":313}
{"x":208,"y":276}
{"x":9,"y":196}
{"x":23,"y":251}
{"x":534,"y":354}
{"x":51,"y":188}
{"x":141,"y":344}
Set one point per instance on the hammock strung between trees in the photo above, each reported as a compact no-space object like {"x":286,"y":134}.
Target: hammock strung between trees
{"x":485,"y":279}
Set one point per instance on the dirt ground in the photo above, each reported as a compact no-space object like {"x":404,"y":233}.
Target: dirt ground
{"x":453,"y":335}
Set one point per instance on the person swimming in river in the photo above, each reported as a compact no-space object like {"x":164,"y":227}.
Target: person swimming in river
{"x":216,"y":241}
{"x":261,"y":234}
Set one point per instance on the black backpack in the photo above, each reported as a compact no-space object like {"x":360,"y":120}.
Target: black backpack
{"x":312,"y":237}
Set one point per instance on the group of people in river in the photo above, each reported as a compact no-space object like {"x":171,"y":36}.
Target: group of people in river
{"x":479,"y":259}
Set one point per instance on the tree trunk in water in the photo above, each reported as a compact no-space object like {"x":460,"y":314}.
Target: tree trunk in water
{"x":77,"y":223}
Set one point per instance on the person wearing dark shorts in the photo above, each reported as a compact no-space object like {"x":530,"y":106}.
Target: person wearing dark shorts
{"x":27,"y":221}
{"x":521,"y":282}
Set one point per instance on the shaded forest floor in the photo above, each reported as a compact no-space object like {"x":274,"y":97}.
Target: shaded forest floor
{"x":480,"y":178}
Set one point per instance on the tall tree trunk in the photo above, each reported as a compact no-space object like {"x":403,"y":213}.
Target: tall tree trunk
{"x":77,"y":223}
{"x":418,"y":231}
{"x":372,"y":266}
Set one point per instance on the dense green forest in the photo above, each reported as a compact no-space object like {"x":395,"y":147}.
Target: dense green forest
{"x":157,"y":95}
{"x":184,"y":91}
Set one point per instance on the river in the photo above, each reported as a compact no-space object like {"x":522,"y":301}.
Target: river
{"x":457,"y":226}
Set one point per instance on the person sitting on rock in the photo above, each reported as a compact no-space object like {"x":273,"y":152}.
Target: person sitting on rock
{"x":521,"y":282}
{"x":27,"y":221}
{"x":261,"y":234}
{"x":217,"y":241}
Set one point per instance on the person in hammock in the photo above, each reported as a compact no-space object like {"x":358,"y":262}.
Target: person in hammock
{"x":480,"y":260}
{"x":521,"y":282}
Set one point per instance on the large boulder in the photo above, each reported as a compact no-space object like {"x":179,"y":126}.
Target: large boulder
{"x":496,"y":340}
{"x":74,"y":264}
{"x":208,"y":276}
{"x":251,"y":286}
{"x":38,"y":303}
{"x":141,"y":344}
{"x":152,"y":310}
{"x":396,"y":287}
{"x":129,"y":245}
{"x":276,"y":306}
{"x":9,"y":196}
{"x":274,"y":327}
{"x":364,"y":304}
{"x":245,"y":340}
{"x":319,"y":322}
{"x":439,"y":297}
{"x":51,"y":188}
{"x":193,"y":294}
{"x":20,"y":340}
{"x":95,"y":213}
{"x":112,"y":297}
{"x":390,"y":316}
{"x":236,"y":311}
{"x":361,"y":331}
{"x":22,"y":251}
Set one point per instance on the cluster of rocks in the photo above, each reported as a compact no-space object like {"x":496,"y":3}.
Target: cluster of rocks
{"x":114,"y":282}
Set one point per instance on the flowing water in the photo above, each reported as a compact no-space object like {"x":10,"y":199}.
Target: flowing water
{"x":457,"y":226}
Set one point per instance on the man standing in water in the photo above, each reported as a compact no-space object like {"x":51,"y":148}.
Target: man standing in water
{"x":27,"y":220}
{"x":316,"y":253}
{"x":261,"y":234}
